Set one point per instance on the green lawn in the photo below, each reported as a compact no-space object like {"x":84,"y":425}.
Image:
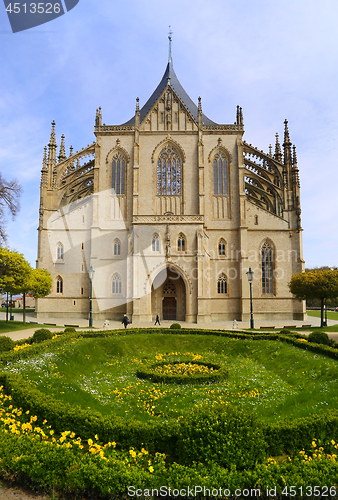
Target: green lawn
{"x":11,"y":326}
{"x":273,"y":379}
{"x":330,"y":314}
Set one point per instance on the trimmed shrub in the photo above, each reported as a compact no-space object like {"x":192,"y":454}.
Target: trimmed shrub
{"x":175,"y":326}
{"x":6,"y":344}
{"x":41,"y":335}
{"x":319,"y":337}
{"x":69,"y":329}
{"x":285,"y":331}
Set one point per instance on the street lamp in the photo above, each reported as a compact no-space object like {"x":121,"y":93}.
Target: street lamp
{"x":250,"y":274}
{"x":91,"y":277}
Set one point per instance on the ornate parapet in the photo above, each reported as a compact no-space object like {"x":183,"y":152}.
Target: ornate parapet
{"x":168,"y":219}
{"x":232,"y":128}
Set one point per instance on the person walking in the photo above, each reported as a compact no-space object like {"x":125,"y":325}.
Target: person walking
{"x":125,"y":321}
{"x":157,"y":320}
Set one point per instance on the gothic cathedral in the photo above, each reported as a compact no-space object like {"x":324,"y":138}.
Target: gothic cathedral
{"x":166,"y":214}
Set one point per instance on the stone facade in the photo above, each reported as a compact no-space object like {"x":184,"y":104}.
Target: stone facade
{"x":171,"y":210}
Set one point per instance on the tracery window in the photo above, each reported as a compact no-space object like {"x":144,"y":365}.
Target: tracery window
{"x":222,"y":284}
{"x":59,"y":251}
{"x":117,"y":247}
{"x":155,"y":244}
{"x":168,"y":172}
{"x":169,"y":288}
{"x":181,"y":243}
{"x":59,"y":285}
{"x":116,"y":283}
{"x":220,"y":174}
{"x":267,"y":268}
{"x":119,"y":174}
{"x":221,"y":247}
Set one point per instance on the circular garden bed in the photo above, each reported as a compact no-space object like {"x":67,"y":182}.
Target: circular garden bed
{"x":182,"y":372}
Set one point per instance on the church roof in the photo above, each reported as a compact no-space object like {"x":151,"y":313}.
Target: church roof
{"x":170,"y":78}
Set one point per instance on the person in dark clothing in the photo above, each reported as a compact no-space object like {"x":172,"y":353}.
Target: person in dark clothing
{"x":125,"y":321}
{"x":157,"y":319}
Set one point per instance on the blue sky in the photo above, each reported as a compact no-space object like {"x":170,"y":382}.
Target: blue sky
{"x":276,"y":59}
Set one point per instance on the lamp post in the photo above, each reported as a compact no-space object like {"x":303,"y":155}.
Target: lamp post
{"x":325,"y":314}
{"x":250,"y":274}
{"x":91,"y":277}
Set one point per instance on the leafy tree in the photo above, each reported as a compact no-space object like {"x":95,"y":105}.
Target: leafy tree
{"x":316,"y":284}
{"x":39,"y":283}
{"x":17,"y":276}
{"x":9,"y":201}
{"x":14,"y":270}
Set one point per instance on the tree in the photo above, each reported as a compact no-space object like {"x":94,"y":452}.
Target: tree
{"x":14,"y":270}
{"x":316,"y":284}
{"x":9,"y":201}
{"x":39,"y":283}
{"x":17,"y":276}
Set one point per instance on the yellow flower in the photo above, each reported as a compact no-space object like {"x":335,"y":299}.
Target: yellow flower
{"x":151,"y":468}
{"x":90,"y":442}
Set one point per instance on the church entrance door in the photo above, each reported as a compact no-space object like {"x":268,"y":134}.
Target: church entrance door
{"x":169,"y":308}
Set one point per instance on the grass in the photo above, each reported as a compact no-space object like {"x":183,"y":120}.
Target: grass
{"x":12,"y":326}
{"x":273,"y":379}
{"x":330,"y":314}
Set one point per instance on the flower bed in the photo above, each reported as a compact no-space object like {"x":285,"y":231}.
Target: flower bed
{"x":182,"y":372}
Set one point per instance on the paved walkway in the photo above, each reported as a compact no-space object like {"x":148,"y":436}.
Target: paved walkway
{"x":55,"y":324}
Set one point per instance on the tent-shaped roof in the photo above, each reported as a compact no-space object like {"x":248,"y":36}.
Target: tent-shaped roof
{"x":170,"y":78}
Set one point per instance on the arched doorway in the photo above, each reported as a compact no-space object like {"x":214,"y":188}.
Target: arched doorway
{"x":168,"y":295}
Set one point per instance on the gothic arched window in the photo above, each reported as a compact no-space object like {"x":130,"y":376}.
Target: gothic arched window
{"x":221,"y":247}
{"x":119,"y":174}
{"x":117,"y":247}
{"x":116,"y":284}
{"x":59,"y":285}
{"x":155,"y":244}
{"x":59,"y":251}
{"x":222,"y":284}
{"x":181,"y":243}
{"x":220,"y":174}
{"x":267,"y":268}
{"x":169,"y":172}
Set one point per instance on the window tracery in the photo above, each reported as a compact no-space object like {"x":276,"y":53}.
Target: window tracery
{"x":116,"y":283}
{"x":169,"y":288}
{"x":117,"y":247}
{"x":169,"y":172}
{"x":119,"y":174}
{"x":220,"y":174}
{"x":221,"y":247}
{"x":181,"y":243}
{"x":59,"y":285}
{"x":222,"y":284}
{"x":267,"y":268}
{"x":155,"y":244}
{"x":59,"y":251}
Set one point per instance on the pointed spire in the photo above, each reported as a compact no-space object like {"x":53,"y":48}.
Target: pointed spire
{"x":287,"y":145}
{"x":170,"y":59}
{"x":62,"y":153}
{"x":44,"y":170}
{"x":237,"y":116}
{"x":137,"y":113}
{"x":241,"y":116}
{"x":51,"y":155}
{"x":295,"y":166}
{"x":270,"y":150}
{"x":278,"y":151}
{"x":71,"y":151}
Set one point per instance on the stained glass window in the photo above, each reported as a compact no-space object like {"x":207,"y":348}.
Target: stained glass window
{"x":60,"y":251}
{"x":168,"y":172}
{"x":59,"y":285}
{"x":181,"y":243}
{"x":117,"y":247}
{"x":221,"y":247}
{"x":220,"y":174}
{"x":117,"y":284}
{"x":119,"y":174}
{"x":267,"y":268}
{"x":222,"y":284}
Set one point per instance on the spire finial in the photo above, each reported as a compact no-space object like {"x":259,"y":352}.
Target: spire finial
{"x":52,"y":135}
{"x":286,"y":132}
{"x":62,"y":154}
{"x":278,"y":152}
{"x":170,"y":61}
{"x":44,"y":161}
